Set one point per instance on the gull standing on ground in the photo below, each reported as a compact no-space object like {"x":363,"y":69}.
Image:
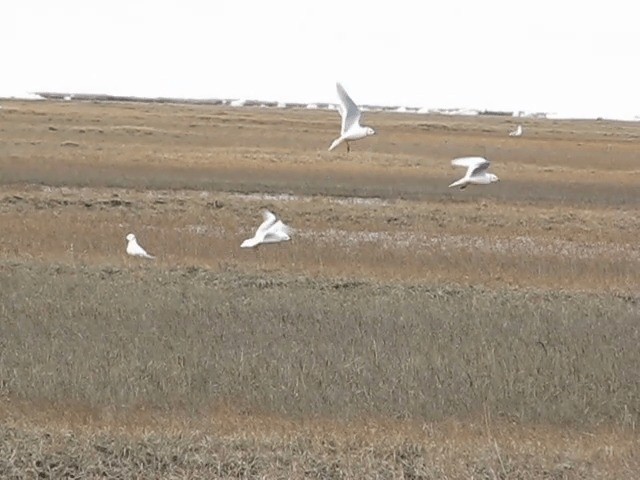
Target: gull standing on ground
{"x":270,"y":231}
{"x":134,"y":249}
{"x":517,"y":132}
{"x":476,"y":172}
{"x":351,"y":128}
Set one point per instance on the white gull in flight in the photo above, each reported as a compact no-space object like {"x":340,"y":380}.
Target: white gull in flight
{"x":351,"y":129}
{"x":270,"y":231}
{"x":476,"y":172}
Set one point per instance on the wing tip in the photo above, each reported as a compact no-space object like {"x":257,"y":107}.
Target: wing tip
{"x":468,"y":161}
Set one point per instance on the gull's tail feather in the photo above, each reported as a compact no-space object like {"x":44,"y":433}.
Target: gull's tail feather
{"x":249,"y":243}
{"x":336,"y":142}
{"x":459,"y":183}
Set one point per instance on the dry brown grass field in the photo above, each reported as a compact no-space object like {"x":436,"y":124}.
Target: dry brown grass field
{"x":408,"y":330}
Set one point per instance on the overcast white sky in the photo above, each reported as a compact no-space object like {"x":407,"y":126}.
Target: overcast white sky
{"x":542,"y":55}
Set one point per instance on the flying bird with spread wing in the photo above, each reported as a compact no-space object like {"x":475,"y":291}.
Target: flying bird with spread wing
{"x":476,"y":172}
{"x":270,"y":230}
{"x":351,"y":129}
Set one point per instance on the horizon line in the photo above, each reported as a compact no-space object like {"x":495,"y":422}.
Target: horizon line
{"x":239,"y":102}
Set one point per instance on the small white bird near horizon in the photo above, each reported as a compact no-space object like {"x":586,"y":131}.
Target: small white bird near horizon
{"x":270,"y":230}
{"x":351,"y":129}
{"x":476,"y":172}
{"x":134,"y":249}
{"x":517,"y":132}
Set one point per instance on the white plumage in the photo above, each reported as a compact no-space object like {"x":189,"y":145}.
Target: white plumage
{"x":351,"y":128}
{"x":134,"y":249}
{"x":270,"y":230}
{"x":517,"y":132}
{"x":476,"y":172}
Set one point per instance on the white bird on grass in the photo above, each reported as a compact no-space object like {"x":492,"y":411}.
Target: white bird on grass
{"x":476,"y":172}
{"x":517,"y":132}
{"x":351,"y":128}
{"x":134,"y":249}
{"x":270,"y":231}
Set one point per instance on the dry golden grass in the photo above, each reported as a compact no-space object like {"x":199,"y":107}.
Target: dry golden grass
{"x":407,"y":330}
{"x":485,"y":243}
{"x":301,"y":346}
{"x":226,"y":443}
{"x":253,"y":148}
{"x":125,"y":369}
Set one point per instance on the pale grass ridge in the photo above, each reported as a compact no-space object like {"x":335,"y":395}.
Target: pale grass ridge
{"x":226,"y":443}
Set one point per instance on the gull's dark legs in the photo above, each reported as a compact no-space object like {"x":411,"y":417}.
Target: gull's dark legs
{"x":348,"y":147}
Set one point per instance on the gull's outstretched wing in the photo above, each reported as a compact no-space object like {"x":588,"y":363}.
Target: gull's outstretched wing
{"x":474,"y":165}
{"x":467,"y":162}
{"x":269,"y":220}
{"x":348,"y":110}
{"x":481,"y":167}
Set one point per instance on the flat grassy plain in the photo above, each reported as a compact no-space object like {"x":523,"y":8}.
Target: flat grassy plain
{"x":407,"y":330}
